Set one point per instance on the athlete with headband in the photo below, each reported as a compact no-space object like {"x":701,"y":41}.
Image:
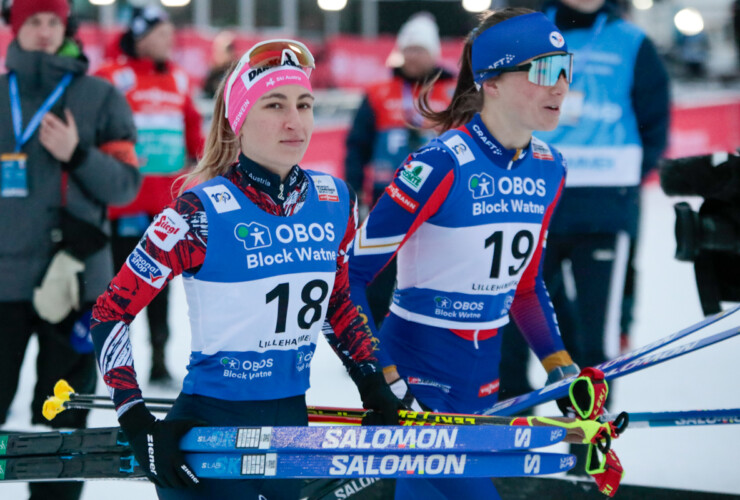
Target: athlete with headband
{"x":467,"y":217}
{"x":262,"y":247}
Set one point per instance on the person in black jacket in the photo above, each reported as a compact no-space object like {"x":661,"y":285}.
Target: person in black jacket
{"x":67,"y":150}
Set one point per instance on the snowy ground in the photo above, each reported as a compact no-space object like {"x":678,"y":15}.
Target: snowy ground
{"x":690,"y":458}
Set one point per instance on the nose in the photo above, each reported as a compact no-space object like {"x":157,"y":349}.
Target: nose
{"x":561,"y":86}
{"x":292,"y":119}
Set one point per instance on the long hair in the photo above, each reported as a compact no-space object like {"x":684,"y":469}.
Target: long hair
{"x":467,"y":100}
{"x":222,"y":145}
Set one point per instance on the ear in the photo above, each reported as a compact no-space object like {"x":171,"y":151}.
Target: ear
{"x":490,"y":87}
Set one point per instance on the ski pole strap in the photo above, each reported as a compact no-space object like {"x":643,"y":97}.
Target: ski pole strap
{"x":588,"y":393}
{"x":607,"y":471}
{"x":588,"y":431}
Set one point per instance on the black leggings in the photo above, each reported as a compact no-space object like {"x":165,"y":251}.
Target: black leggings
{"x":218,"y":412}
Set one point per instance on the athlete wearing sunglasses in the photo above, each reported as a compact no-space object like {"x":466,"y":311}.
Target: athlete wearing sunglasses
{"x":466,"y":218}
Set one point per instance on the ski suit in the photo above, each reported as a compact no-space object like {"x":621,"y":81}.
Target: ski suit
{"x":260,"y":279}
{"x":467,"y":220}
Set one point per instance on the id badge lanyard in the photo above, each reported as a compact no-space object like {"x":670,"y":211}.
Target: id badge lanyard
{"x":22,"y":136}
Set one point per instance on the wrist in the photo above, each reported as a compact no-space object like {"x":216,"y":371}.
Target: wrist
{"x":135,"y":420}
{"x":561,"y":372}
{"x":78,"y":157}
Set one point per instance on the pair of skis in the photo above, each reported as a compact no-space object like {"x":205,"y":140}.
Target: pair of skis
{"x":295,"y":452}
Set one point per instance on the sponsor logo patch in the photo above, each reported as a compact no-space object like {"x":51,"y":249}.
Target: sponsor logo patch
{"x":481,"y":185}
{"x":408,"y":203}
{"x":326,"y":187}
{"x":556,"y":39}
{"x":488,"y":389}
{"x":167,"y":229}
{"x":147,"y":268}
{"x":460,"y":149}
{"x":221,"y":198}
{"x":253,"y":235}
{"x":415,"y":174}
{"x":541,"y":151}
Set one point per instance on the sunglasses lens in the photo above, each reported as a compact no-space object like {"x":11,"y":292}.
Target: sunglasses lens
{"x":279,"y":53}
{"x":546,"y":70}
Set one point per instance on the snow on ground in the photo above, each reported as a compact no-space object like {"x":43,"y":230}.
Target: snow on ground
{"x":690,"y":458}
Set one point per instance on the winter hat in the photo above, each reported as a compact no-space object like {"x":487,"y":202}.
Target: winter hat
{"x":21,"y":10}
{"x":420,"y":31}
{"x":144,"y":19}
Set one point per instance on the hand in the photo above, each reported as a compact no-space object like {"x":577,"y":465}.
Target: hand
{"x":377,"y":395}
{"x":156,"y":446}
{"x":60,"y":139}
{"x":402,"y":392}
{"x":588,"y":393}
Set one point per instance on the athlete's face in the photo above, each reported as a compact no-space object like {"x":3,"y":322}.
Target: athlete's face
{"x":43,"y":32}
{"x":278,"y":128}
{"x":520,"y":107}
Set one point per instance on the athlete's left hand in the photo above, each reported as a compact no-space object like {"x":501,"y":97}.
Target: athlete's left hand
{"x":377,"y":396}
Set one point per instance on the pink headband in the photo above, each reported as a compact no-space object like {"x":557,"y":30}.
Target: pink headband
{"x":251,"y":84}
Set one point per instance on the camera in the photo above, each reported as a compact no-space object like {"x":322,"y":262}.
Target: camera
{"x":710,"y":238}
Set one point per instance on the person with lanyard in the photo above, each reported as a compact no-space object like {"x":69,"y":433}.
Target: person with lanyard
{"x":387,"y":128}
{"x":466,"y":217}
{"x":612,"y":132}
{"x":239,"y":236}
{"x":66,"y":152}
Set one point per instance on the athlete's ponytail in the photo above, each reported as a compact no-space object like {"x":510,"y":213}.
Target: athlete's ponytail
{"x":467,"y":99}
{"x":222,"y":146}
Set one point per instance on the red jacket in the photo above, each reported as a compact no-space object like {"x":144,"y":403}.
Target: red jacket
{"x":168,"y":127}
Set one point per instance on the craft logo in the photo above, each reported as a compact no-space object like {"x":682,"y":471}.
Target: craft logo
{"x":556,"y":39}
{"x":414,"y":174}
{"x":221,"y":198}
{"x":253,"y":235}
{"x":482,"y":186}
{"x":146,"y":268}
{"x":442,"y":302}
{"x":460,"y":149}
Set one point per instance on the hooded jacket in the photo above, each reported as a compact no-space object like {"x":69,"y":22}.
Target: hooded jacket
{"x":102,"y":170}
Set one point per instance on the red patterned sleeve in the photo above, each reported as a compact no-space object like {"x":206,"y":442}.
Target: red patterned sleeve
{"x":346,"y":332}
{"x":174,"y":243}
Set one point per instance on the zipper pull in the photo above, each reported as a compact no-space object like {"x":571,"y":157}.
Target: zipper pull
{"x":280,"y":194}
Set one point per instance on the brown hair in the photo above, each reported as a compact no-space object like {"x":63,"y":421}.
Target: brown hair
{"x":222,"y":145}
{"x":467,"y":100}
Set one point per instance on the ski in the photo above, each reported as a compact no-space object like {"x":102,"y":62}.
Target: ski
{"x":690,"y":418}
{"x":323,"y":439}
{"x":122,"y":465}
{"x":612,"y":369}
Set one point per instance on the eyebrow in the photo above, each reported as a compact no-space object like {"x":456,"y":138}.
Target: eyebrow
{"x":278,"y":95}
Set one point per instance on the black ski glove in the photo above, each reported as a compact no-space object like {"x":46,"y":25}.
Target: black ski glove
{"x":156,"y":446}
{"x":377,"y":396}
{"x":565,"y":405}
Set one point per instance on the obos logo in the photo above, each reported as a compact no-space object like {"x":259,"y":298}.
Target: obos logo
{"x":442,"y":302}
{"x":482,"y":186}
{"x":303,"y":359}
{"x":556,"y":39}
{"x":230,"y":363}
{"x":253,"y":235}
